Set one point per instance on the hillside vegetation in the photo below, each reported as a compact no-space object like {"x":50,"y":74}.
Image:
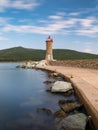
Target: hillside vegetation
{"x":24,"y":54}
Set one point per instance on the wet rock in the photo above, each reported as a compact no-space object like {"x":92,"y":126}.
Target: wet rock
{"x":57,"y":120}
{"x":48,"y":89}
{"x":61,"y":86}
{"x":21,"y":65}
{"x":63,"y":101}
{"x":73,"y":122}
{"x":67,"y":107}
{"x":48,"y":81}
{"x":44,"y":111}
{"x":68,"y":93}
{"x":60,"y":114}
{"x":54,"y":74}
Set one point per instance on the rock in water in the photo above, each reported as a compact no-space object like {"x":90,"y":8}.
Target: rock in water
{"x":44,"y":111}
{"x":73,"y":122}
{"x":60,"y":114}
{"x":67,"y":107}
{"x":63,"y":101}
{"x":61,"y":86}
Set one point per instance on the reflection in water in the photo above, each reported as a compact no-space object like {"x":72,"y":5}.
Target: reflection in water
{"x":22,"y":93}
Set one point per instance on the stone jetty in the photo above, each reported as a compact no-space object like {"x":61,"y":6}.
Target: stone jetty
{"x":84,"y":81}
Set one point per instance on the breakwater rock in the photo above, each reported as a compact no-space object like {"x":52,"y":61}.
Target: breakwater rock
{"x":61,"y":86}
{"x":33,"y":64}
{"x":73,"y":122}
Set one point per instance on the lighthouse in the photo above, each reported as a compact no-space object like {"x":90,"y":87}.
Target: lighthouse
{"x":49,"y":53}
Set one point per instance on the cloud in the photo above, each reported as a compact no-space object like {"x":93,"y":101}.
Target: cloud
{"x":74,"y":14}
{"x":90,"y":32}
{"x":18,"y":4}
{"x":53,"y":24}
{"x":3,"y":38}
{"x":88,"y":22}
{"x":58,"y":16}
{"x":49,"y":28}
{"x":55,"y":17}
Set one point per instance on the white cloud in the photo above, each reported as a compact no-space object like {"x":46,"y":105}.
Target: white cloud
{"x":58,"y":16}
{"x":55,"y":17}
{"x":49,"y":28}
{"x":18,"y":4}
{"x":85,"y":32}
{"x":74,"y":14}
{"x":54,"y":24}
{"x":3,"y":38}
{"x":91,"y":32}
{"x":87,"y":22}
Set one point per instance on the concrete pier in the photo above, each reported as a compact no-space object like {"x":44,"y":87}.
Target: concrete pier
{"x":85,"y":82}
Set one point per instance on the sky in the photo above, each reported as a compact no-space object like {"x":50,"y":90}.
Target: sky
{"x":73,"y":24}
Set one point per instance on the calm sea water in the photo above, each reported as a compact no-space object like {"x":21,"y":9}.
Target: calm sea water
{"x":22,"y":93}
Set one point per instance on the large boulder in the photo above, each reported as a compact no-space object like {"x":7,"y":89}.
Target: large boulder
{"x":41,"y":63}
{"x":61,"y":86}
{"x":73,"y":122}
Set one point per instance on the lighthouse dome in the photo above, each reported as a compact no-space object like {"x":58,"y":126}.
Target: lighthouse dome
{"x":49,"y":39}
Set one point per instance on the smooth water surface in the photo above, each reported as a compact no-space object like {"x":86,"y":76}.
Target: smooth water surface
{"x":22,"y":92}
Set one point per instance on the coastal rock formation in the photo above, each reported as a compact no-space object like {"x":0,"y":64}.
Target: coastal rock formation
{"x":41,"y":63}
{"x":63,"y":101}
{"x":68,"y":93}
{"x":73,"y":122}
{"x":60,"y":114}
{"x":44,"y":111}
{"x":48,"y":81}
{"x":61,"y":86}
{"x":70,"y":106}
{"x":33,"y":64}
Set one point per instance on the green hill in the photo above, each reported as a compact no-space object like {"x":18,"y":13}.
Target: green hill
{"x":22,"y":54}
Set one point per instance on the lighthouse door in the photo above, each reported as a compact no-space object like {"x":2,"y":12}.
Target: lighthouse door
{"x":49,"y":57}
